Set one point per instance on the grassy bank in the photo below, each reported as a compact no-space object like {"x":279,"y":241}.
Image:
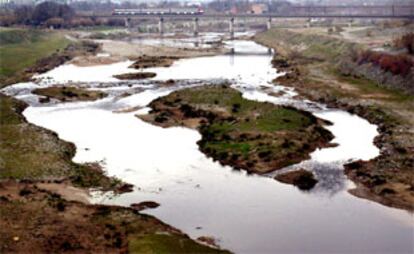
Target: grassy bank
{"x":255,"y":136}
{"x":21,"y":48}
{"x":311,"y":47}
{"x":312,"y":63}
{"x":345,"y":58}
{"x":316,"y":59}
{"x":28,"y":152}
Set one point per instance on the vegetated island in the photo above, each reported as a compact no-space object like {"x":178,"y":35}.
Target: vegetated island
{"x":255,"y":136}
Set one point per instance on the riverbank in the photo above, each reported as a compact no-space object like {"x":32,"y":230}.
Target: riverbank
{"x":22,"y":48}
{"x":37,"y":220}
{"x":47,"y":191}
{"x":311,"y":62}
{"x":49,"y":159}
{"x":26,"y":53}
{"x":44,"y":194}
{"x":255,"y":136}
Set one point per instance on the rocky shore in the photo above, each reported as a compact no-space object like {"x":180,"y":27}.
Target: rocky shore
{"x":36,"y":220}
{"x":387,"y":179}
{"x":301,"y":178}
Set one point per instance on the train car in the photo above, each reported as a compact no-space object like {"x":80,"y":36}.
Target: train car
{"x":159,"y":11}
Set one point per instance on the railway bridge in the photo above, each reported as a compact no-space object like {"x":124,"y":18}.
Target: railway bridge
{"x":309,"y":12}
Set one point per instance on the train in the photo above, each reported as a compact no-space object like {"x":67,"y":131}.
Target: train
{"x":169,"y":11}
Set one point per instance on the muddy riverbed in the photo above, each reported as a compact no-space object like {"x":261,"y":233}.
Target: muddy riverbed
{"x":244,"y":213}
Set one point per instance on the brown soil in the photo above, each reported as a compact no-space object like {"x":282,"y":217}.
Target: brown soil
{"x":93,"y":60}
{"x":144,"y":205}
{"x":133,"y":50}
{"x":301,"y":178}
{"x":66,"y":190}
{"x":34,"y":219}
{"x":208,"y":240}
{"x":65,"y":93}
{"x":135,"y":75}
{"x":145,"y":61}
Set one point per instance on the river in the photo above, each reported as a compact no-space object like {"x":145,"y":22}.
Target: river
{"x":244,"y":213}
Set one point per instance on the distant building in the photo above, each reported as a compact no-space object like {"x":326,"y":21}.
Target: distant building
{"x":259,"y":8}
{"x":234,"y":10}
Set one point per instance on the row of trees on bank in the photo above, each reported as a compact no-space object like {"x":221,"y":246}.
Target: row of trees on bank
{"x":38,"y":15}
{"x":51,"y":14}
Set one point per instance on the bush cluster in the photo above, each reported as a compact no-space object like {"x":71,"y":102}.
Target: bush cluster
{"x":406,"y":41}
{"x":398,"y":64}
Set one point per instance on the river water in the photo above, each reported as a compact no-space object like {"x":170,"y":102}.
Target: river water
{"x":244,"y":213}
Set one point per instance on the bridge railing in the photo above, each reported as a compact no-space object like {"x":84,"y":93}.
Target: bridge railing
{"x":386,"y":11}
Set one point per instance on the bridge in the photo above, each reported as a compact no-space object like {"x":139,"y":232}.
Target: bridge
{"x":308,"y":12}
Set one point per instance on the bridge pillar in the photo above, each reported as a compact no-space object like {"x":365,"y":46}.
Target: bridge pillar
{"x":161,"y":26}
{"x":350,"y":23}
{"x":126,"y":21}
{"x":309,"y":23}
{"x":231,"y":28}
{"x":269,"y":23}
{"x":195,"y":26}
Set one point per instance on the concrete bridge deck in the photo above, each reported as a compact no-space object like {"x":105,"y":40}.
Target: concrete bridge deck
{"x":306,"y":12}
{"x":247,"y":15}
{"x":405,"y":11}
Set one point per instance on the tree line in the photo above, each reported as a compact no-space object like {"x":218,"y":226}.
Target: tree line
{"x":38,"y":15}
{"x":50,"y":14}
